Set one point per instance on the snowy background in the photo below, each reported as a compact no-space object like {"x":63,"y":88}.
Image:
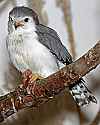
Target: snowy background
{"x":85,"y":23}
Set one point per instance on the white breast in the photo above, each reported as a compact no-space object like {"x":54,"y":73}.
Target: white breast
{"x":26,"y":52}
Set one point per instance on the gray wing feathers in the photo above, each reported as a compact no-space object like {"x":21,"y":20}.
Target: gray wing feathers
{"x":49,"y":38}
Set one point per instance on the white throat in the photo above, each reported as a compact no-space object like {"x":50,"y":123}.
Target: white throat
{"x":26,"y":29}
{"x":26,"y":52}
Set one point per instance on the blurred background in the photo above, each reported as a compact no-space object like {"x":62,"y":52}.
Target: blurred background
{"x":77,"y":23}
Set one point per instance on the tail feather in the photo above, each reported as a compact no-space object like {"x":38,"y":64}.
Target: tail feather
{"x":82,"y":94}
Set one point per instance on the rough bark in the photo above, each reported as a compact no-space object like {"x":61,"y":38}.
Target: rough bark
{"x":30,"y":93}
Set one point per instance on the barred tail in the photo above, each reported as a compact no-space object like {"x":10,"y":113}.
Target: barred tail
{"x":81,"y":94}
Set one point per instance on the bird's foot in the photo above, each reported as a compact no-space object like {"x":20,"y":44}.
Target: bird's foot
{"x":29,"y":77}
{"x":35,"y":77}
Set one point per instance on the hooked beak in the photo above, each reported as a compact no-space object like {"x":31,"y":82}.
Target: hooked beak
{"x":18,"y":24}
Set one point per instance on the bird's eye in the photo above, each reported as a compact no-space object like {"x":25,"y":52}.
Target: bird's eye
{"x":26,"y":19}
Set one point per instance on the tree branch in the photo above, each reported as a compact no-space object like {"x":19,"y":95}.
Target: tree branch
{"x":33,"y":94}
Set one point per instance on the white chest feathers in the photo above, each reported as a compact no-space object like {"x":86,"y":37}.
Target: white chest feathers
{"x":26,"y":52}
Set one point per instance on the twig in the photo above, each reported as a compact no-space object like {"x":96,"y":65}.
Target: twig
{"x":97,"y":119}
{"x":66,"y":8}
{"x":38,"y":6}
{"x":34,"y":94}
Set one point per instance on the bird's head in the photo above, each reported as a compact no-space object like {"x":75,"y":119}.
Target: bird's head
{"x":22,"y":19}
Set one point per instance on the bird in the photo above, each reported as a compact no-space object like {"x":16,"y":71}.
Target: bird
{"x":32,"y":45}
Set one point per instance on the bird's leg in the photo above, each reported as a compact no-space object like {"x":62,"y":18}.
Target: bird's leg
{"x":29,"y":77}
{"x":35,"y":77}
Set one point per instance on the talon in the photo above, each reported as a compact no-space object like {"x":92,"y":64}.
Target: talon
{"x":29,"y":77}
{"x":35,"y":77}
{"x":26,"y":74}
